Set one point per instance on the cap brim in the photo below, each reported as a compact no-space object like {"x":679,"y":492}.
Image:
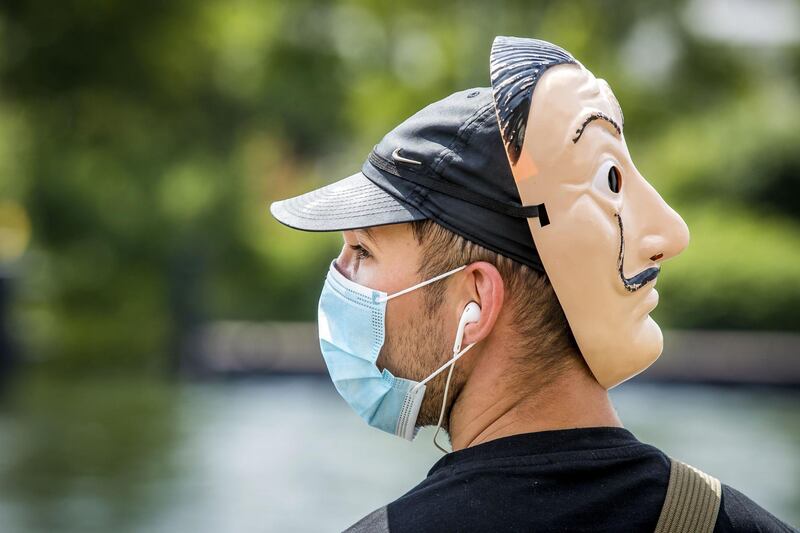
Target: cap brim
{"x":350,"y":203}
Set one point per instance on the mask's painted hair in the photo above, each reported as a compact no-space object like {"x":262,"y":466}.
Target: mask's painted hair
{"x":516,"y":65}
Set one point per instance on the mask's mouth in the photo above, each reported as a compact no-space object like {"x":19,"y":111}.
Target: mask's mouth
{"x":641,"y":279}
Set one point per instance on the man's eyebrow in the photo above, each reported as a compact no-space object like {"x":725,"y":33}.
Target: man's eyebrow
{"x":369,"y":234}
{"x":592,"y":117}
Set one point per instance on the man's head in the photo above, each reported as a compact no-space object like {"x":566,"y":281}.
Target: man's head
{"x":530,"y":187}
{"x":522,"y":327}
{"x":608,"y":229}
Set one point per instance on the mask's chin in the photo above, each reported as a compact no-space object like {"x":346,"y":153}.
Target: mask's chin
{"x":613,"y":360}
{"x":646,"y":348}
{"x":651,"y":339}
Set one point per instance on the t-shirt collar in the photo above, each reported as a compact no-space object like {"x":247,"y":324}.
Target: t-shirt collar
{"x":541,"y":442}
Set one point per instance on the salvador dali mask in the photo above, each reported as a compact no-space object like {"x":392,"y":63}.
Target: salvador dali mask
{"x":603,"y":230}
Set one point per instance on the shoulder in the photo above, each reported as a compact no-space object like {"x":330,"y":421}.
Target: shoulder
{"x":739,"y":513}
{"x":375,"y":522}
{"x":539,"y":493}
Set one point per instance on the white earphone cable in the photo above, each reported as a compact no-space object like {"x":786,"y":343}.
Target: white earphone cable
{"x":444,"y":403}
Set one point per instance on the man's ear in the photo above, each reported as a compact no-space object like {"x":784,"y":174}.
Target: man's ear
{"x":484,"y":286}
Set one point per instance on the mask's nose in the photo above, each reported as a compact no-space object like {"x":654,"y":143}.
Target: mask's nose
{"x":659,"y":230}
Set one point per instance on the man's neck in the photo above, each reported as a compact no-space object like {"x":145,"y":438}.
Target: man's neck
{"x":490,"y":407}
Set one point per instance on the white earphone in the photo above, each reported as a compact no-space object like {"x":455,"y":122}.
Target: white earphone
{"x":471,"y":314}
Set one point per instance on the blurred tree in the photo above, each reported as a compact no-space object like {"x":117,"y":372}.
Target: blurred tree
{"x":146,"y":140}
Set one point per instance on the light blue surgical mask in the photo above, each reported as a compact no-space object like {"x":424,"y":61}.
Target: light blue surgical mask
{"x":351,"y":333}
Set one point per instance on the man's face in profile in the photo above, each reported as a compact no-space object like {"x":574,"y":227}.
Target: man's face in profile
{"x":387,"y":258}
{"x":608,"y":229}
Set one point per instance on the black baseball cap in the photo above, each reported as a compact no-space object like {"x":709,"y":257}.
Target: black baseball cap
{"x":445,"y":163}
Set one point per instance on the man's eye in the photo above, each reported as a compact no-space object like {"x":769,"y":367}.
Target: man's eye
{"x":361,"y":252}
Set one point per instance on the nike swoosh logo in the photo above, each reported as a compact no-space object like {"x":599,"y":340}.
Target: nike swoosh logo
{"x":397,"y":157}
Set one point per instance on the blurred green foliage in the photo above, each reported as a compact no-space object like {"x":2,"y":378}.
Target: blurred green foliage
{"x":146,"y":140}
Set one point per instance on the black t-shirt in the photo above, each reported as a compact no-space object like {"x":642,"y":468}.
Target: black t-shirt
{"x":585,"y":479}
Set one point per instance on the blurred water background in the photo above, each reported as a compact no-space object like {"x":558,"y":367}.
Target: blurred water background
{"x":285,"y":454}
{"x":157,"y":353}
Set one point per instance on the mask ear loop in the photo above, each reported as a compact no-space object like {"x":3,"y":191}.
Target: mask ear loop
{"x":380,"y":299}
{"x":450,"y":363}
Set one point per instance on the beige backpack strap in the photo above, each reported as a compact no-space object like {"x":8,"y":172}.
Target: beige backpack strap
{"x":692,"y":501}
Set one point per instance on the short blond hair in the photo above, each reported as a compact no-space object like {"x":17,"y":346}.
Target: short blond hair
{"x":544,"y":341}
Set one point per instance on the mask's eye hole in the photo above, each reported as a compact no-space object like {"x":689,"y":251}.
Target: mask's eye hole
{"x":607,"y":182}
{"x":614,"y":179}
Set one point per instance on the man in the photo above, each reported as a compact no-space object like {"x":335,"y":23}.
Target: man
{"x":498,"y":269}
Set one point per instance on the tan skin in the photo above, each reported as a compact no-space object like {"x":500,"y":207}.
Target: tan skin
{"x":487,"y":404}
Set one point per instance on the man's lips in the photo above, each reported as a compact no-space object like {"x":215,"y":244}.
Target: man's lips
{"x":641,"y":279}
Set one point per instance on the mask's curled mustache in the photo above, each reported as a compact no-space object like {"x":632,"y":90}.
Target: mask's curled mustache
{"x":642,"y":278}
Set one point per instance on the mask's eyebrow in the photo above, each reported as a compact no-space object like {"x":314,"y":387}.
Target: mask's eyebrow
{"x":592,"y":117}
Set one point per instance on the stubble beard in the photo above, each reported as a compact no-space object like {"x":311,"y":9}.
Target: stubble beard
{"x":416,"y":352}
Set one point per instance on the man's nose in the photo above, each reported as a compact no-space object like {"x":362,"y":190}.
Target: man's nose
{"x":345,"y":265}
{"x":344,"y":262}
{"x":662,"y":233}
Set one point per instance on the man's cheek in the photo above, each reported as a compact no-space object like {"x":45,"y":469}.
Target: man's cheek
{"x":398,"y":340}
{"x":386,"y":357}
